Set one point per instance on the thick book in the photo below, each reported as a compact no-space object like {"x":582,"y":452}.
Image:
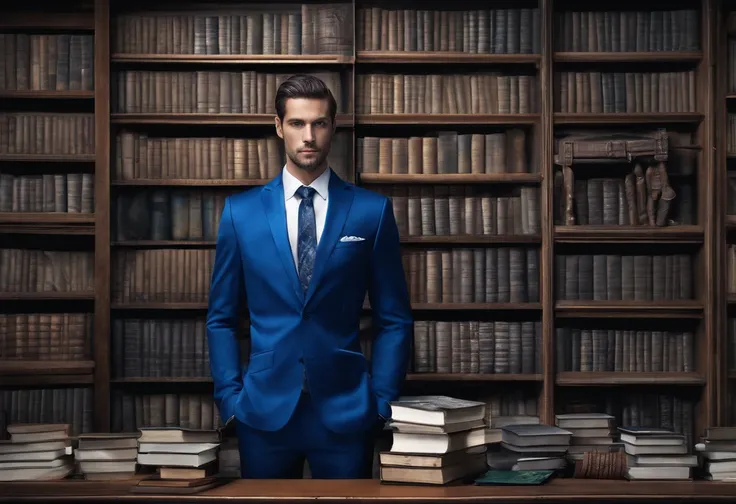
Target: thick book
{"x":435,"y":410}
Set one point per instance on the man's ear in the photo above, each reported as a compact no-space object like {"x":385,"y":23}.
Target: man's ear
{"x":279,"y":130}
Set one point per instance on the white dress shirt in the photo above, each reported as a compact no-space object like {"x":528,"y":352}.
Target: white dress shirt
{"x":292,"y":200}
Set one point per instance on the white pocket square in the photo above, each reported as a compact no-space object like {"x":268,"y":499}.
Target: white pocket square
{"x":352,"y":239}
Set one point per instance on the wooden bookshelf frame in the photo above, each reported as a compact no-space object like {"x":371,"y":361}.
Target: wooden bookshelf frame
{"x":708,"y":235}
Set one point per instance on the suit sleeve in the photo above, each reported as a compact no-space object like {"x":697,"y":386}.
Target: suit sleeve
{"x":227,"y":292}
{"x":389,"y":298}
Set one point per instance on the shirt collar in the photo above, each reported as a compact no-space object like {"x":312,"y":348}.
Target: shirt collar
{"x":321,"y":184}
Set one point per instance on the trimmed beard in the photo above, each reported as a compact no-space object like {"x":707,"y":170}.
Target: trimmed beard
{"x":310,"y":166}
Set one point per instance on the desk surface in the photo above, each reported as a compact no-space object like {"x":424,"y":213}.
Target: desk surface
{"x":373,"y":492}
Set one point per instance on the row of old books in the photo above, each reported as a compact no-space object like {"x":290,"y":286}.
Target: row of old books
{"x":613,"y":277}
{"x":731,"y":66}
{"x":480,"y":92}
{"x":159,"y":347}
{"x":169,"y":214}
{"x":472,"y":274}
{"x":627,"y":30}
{"x":46,"y":61}
{"x":731,"y":268}
{"x":46,"y":336}
{"x":205,"y":91}
{"x":485,"y":31}
{"x":731,"y":117}
{"x":59,"y":193}
{"x":130,"y":411}
{"x":438,"y":210}
{"x":446,"y":152}
{"x":47,"y":133}
{"x":33,"y":270}
{"x":294,"y":29}
{"x":625,"y":92}
{"x":156,"y":275}
{"x":452,"y":210}
{"x":139,"y":155}
{"x":618,"y":350}
{"x":613,"y":202}
{"x":476,"y":347}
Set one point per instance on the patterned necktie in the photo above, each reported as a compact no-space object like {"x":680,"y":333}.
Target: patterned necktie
{"x":307,"y":236}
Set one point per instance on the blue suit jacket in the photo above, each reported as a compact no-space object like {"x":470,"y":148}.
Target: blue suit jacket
{"x":318,"y":331}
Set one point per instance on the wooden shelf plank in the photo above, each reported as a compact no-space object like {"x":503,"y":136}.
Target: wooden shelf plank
{"x":164,"y":243}
{"x":558,"y":490}
{"x":627,"y":378}
{"x":731,"y":222}
{"x":47,"y":296}
{"x":731,"y":299}
{"x":163,"y":379}
{"x":47,"y":380}
{"x":509,"y":377}
{"x":446,"y":119}
{"x":450,"y":178}
{"x":472,"y":306}
{"x":47,"y":229}
{"x":568,"y":378}
{"x":343,"y":120}
{"x":158,"y":305}
{"x":628,"y":118}
{"x":31,"y":218}
{"x":191,"y":182}
{"x":629,"y":309}
{"x":46,"y":367}
{"x":628,"y":57}
{"x":48,"y":158}
{"x":73,"y":21}
{"x":638,"y":234}
{"x":443,"y":57}
{"x":416,"y":377}
{"x":471,"y":239}
{"x":235,"y":59}
{"x":439,"y":240}
{"x":12,"y":94}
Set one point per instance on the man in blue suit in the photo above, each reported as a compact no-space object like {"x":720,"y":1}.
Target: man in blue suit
{"x":302,"y":251}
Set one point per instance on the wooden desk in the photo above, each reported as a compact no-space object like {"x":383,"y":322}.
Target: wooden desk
{"x":372,"y":492}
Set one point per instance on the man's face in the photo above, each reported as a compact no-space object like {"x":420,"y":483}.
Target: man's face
{"x":307,"y":132}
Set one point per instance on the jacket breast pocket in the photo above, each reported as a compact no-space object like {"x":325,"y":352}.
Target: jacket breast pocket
{"x":260,"y":361}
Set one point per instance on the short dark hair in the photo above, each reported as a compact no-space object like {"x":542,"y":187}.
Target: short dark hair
{"x":304,"y":86}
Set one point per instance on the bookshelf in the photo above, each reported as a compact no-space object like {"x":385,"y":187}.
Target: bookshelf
{"x":457,"y":113}
{"x":725,"y":109}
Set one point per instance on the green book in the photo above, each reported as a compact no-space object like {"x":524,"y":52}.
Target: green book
{"x":498,"y":477}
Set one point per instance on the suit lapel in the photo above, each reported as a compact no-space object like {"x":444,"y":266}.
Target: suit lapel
{"x":273,"y":200}
{"x":338,"y":207}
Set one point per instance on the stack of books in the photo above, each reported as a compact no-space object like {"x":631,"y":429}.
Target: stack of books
{"x":591,"y":432}
{"x":656,"y":454}
{"x":436,"y":440}
{"x":531,"y":447}
{"x":36,"y":452}
{"x":107,"y":456}
{"x":185,"y":459}
{"x":718,"y":451}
